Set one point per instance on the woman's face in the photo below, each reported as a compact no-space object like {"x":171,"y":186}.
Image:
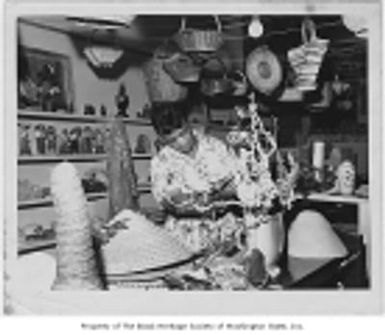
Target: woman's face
{"x":182,"y":140}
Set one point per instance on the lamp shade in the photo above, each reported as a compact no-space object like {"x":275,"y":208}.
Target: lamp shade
{"x":103,"y":56}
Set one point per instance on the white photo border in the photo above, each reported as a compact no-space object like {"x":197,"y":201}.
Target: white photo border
{"x":364,"y":302}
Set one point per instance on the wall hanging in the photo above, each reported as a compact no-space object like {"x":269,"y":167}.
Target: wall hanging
{"x":44,"y":81}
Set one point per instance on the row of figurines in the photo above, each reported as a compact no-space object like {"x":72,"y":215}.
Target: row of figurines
{"x":27,"y":190}
{"x":46,"y":140}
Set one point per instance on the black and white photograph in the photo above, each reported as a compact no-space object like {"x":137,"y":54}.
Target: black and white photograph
{"x":215,"y":160}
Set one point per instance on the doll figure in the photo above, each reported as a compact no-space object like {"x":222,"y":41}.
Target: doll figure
{"x":51,"y":140}
{"x":74,"y":139}
{"x":122,"y":101}
{"x":24,"y":140}
{"x":99,"y":141}
{"x":107,"y":134}
{"x":64,"y":146}
{"x":40,"y":133}
{"x":86,"y":140}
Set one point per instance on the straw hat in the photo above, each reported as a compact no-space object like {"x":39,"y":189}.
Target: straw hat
{"x":142,"y":246}
{"x":264,"y":70}
{"x":311,"y":236}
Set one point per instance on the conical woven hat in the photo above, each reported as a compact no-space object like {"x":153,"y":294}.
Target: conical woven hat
{"x":311,"y":236}
{"x":142,"y":246}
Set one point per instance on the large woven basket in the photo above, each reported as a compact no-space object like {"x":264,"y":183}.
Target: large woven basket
{"x":182,"y":68}
{"x":161,"y":87}
{"x":199,"y":40}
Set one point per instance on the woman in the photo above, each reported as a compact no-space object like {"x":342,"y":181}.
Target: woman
{"x":189,"y":172}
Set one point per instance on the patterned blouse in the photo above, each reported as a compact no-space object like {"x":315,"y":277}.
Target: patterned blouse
{"x":172,"y":171}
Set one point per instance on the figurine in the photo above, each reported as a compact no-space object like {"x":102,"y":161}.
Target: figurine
{"x":24,"y":140}
{"x":122,"y":101}
{"x":51,"y":140}
{"x":86,"y":140}
{"x":39,"y":134}
{"x":89,"y":109}
{"x":143,"y":145}
{"x":103,"y":110}
{"x":64,"y":145}
{"x":107,"y":133}
{"x":74,"y":137}
{"x":99,"y":141}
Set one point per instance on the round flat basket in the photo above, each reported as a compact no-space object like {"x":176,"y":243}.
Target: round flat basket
{"x":264,"y":70}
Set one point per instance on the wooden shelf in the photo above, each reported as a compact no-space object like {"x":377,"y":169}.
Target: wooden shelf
{"x":47,"y":202}
{"x":61,"y":116}
{"x":25,"y":247}
{"x":71,"y":158}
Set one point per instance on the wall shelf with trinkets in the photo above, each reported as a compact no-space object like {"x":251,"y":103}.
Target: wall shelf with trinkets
{"x":37,"y":115}
{"x":41,"y":145}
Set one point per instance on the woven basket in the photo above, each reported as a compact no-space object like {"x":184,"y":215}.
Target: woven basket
{"x":306,"y":59}
{"x":199,"y":40}
{"x":161,"y":86}
{"x":182,"y":68}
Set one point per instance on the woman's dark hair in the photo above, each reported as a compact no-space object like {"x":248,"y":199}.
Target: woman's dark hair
{"x":169,"y":116}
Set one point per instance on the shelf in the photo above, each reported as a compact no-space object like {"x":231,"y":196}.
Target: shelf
{"x":71,"y":158}
{"x":61,"y":116}
{"x":25,"y":247}
{"x":47,"y":202}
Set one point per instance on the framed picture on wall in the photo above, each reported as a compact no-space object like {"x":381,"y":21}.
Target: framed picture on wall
{"x":44,"y":81}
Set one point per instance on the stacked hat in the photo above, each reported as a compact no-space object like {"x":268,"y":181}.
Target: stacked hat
{"x":142,"y":246}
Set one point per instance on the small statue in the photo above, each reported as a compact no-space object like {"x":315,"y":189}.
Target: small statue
{"x":24,"y":140}
{"x":74,"y":139}
{"x":103,"y":110}
{"x":107,"y":133}
{"x":86,"y":140}
{"x":51,"y":140}
{"x":99,"y":141}
{"x":143,"y":145}
{"x":39,"y":134}
{"x":89,"y":109}
{"x":122,"y":101}
{"x":64,"y":142}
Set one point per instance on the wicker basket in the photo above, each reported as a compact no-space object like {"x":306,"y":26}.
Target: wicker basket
{"x":306,"y":59}
{"x":161,"y":87}
{"x":182,"y":68}
{"x":199,"y":40}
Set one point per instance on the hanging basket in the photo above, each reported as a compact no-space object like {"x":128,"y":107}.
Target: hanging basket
{"x":161,"y":86}
{"x":306,"y":60}
{"x":199,"y":40}
{"x":214,"y":79}
{"x":182,"y":68}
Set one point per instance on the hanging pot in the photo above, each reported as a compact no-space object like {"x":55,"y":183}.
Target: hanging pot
{"x":239,"y":82}
{"x":306,"y":59}
{"x":214,"y":79}
{"x":199,"y":40}
{"x":264,"y":70}
{"x":161,"y":86}
{"x":182,"y":68}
